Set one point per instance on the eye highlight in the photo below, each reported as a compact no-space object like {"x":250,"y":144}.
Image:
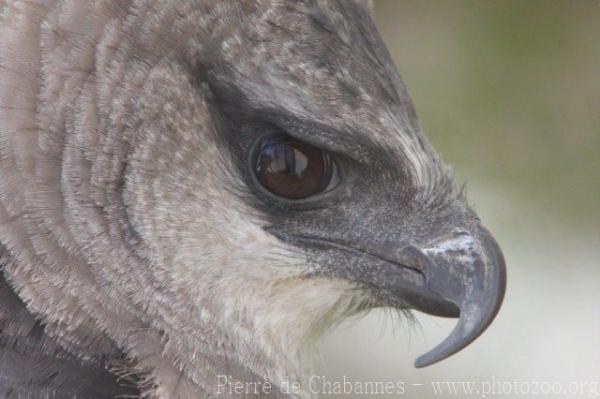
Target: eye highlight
{"x":291,"y":169}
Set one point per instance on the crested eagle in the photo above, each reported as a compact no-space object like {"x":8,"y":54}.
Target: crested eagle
{"x":198,"y":188}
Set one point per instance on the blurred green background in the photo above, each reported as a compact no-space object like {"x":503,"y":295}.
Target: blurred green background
{"x":509,"y":91}
{"x":509,"y":94}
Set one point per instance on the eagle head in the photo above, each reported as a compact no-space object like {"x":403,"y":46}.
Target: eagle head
{"x":240,"y":176}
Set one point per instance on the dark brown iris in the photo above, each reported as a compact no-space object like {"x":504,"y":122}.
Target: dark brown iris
{"x":290,"y":168}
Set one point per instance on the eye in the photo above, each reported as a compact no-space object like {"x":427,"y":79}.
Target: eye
{"x":292,"y":169}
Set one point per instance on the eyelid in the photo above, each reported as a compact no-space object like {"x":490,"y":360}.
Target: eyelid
{"x":335,"y":178}
{"x":324,"y":137}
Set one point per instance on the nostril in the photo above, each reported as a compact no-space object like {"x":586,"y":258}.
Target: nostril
{"x":413,"y":258}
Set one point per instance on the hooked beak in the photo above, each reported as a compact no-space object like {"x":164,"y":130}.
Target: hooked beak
{"x":461,"y":274}
{"x":464,"y":276}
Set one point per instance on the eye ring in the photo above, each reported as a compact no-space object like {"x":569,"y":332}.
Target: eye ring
{"x":291,"y":169}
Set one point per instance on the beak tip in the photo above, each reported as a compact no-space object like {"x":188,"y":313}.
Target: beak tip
{"x":476,"y":311}
{"x":421,"y":362}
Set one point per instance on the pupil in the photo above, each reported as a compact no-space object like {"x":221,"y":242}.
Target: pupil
{"x":285,"y":159}
{"x":290,"y":168}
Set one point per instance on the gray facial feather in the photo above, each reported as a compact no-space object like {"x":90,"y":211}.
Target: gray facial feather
{"x":124,"y":215}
